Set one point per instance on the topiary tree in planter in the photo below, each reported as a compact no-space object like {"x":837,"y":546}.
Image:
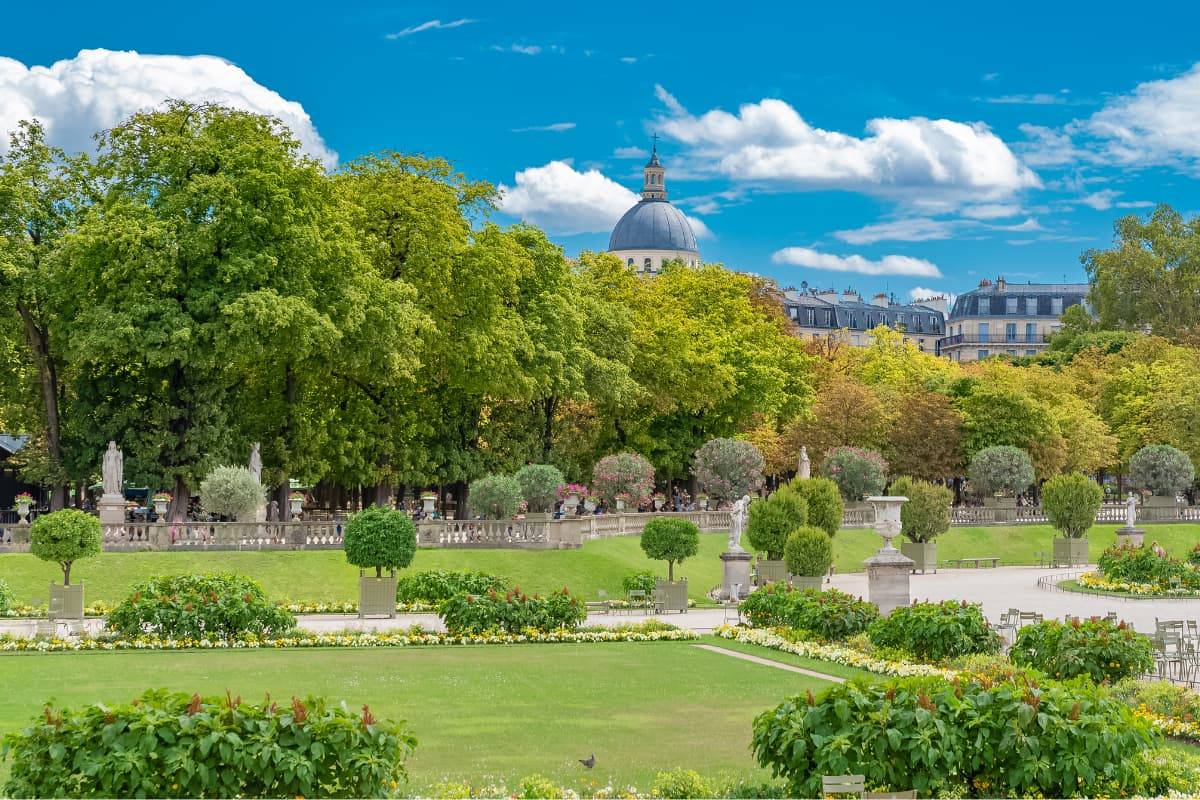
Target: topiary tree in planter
{"x":670,"y":539}
{"x":382,"y":538}
{"x":727,"y":469}
{"x":1071,"y":502}
{"x":825,"y":507}
{"x":495,"y":496}
{"x":64,"y":537}
{"x":1002,"y":469}
{"x":624,"y":479}
{"x":231,"y":492}
{"x":1163,"y":470}
{"x":539,"y":486}
{"x":808,"y":554}
{"x":923,"y":518}
{"x":857,"y":472}
{"x":768,"y":526}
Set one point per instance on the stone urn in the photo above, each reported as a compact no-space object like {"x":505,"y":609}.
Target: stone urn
{"x":295,"y":505}
{"x":658,"y":503}
{"x":620,"y":504}
{"x":160,"y":506}
{"x":589,"y":505}
{"x":702,"y":503}
{"x":889,"y":570}
{"x":571,"y":503}
{"x":427,"y":502}
{"x":23,"y":510}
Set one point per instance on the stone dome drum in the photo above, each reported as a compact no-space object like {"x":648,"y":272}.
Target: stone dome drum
{"x":653,"y":225}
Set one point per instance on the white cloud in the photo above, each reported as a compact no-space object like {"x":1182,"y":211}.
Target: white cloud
{"x":564,"y":200}
{"x":96,"y":89}
{"x":523,"y":49}
{"x":769,"y":142}
{"x":911,"y":229}
{"x":557,"y":127}
{"x":1038,"y":99}
{"x":630,"y":152}
{"x":1047,"y":146}
{"x":1157,"y":123}
{"x":628,"y":60}
{"x":888,"y":265}
{"x":431,"y":25}
{"x":1101,"y":200}
{"x":991,"y":211}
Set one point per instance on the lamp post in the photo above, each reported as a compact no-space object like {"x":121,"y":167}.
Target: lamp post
{"x":888,"y":571}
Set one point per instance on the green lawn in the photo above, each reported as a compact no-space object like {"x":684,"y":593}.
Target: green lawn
{"x":600,"y":564}
{"x":479,"y":713}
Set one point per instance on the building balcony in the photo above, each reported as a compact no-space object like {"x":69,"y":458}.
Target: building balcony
{"x":993,"y":338}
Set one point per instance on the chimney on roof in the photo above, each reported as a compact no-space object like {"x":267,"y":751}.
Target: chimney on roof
{"x":1000,"y":284}
{"x":850,"y":296}
{"x":880,"y":299}
{"x":828,"y":295}
{"x":985,"y":283}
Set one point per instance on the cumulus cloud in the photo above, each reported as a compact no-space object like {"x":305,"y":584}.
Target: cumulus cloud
{"x":1105,"y":199}
{"x":912,"y":229}
{"x":557,"y":127}
{"x":769,"y":142}
{"x":888,"y":265}
{"x":1157,"y":123}
{"x":96,"y":89}
{"x":431,"y":25}
{"x":630,"y":152}
{"x":564,"y":200}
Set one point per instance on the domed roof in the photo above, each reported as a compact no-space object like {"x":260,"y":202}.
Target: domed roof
{"x":653,"y":225}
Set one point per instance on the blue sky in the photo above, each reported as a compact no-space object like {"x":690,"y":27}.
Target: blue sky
{"x":860,"y":145}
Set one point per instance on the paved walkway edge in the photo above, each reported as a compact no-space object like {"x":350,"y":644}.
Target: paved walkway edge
{"x":766,"y":662}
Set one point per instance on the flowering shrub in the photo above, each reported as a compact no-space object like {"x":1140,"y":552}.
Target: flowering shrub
{"x":199,"y":607}
{"x":1098,"y":648}
{"x":1162,"y":469}
{"x":539,"y":486}
{"x":171,"y":745}
{"x":512,"y":612}
{"x":682,"y":784}
{"x":1000,"y":469}
{"x":1146,"y":565}
{"x":627,"y":476}
{"x":24,"y":498}
{"x":936,"y":631}
{"x":1007,"y":739}
{"x":728,"y":468}
{"x":161,"y":497}
{"x":495,"y":496}
{"x":577,"y":489}
{"x":856,"y":472}
{"x":831,"y":615}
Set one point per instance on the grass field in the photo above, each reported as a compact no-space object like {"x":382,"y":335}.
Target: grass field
{"x":480,"y":714}
{"x":325,"y":575}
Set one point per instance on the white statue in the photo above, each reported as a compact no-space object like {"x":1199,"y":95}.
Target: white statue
{"x":112,"y":467}
{"x":737,"y":522}
{"x":1131,"y":505}
{"x":256,"y":463}
{"x":805,"y":470}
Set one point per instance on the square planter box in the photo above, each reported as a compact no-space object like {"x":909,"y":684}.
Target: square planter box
{"x":67,"y":601}
{"x":924,"y":554}
{"x":670,"y":596}
{"x":1070,"y":552}
{"x":1004,"y":509}
{"x":771,"y":572}
{"x":807,"y":581}
{"x":377,"y":596}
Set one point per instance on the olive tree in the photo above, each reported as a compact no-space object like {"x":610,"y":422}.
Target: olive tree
{"x":857,"y":472}
{"x":1071,"y":502}
{"x":539,"y":486}
{"x":670,"y":539}
{"x":1162,"y":469}
{"x":231,"y":492}
{"x":727,"y":469}
{"x":1001,"y":468}
{"x":65,"y":537}
{"x":380,"y":537}
{"x":495,"y":496}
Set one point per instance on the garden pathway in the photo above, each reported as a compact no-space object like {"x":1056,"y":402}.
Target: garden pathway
{"x":766,"y":662}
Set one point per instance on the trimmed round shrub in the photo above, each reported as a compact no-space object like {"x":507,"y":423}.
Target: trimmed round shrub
{"x":1071,"y":502}
{"x":727,"y":469}
{"x":770,"y":522}
{"x":824,"y":500}
{"x":936,"y":631}
{"x":231,"y":492}
{"x":831,"y":615}
{"x":1002,"y":469}
{"x":191,"y":746}
{"x":434,"y":586}
{"x":199,"y":607}
{"x":926,"y":515}
{"x":857,"y":472}
{"x":642,"y":580}
{"x":8,"y":598}
{"x":670,"y":539}
{"x":808,"y":552}
{"x":379,"y":537}
{"x":627,"y":477}
{"x":1162,"y":469}
{"x":539,"y":486}
{"x":495,"y":496}
{"x":1098,"y":648}
{"x":963,"y":739}
{"x":64,"y":537}
{"x":512,"y":612}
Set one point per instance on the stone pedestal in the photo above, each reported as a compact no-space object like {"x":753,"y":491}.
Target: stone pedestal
{"x":112,"y":509}
{"x":1130,"y":537}
{"x":888,"y":573}
{"x":737,"y":571}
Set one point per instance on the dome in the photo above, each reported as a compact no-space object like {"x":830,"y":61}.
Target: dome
{"x":653,"y":225}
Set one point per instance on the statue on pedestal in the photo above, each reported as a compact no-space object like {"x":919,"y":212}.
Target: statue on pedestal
{"x":1131,"y":505}
{"x":112,"y":466}
{"x":256,"y":463}
{"x":737,"y":523}
{"x":804,"y":470}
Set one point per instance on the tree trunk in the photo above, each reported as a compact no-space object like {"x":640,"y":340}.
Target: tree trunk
{"x":670,"y":571}
{"x":548,"y":406}
{"x":459,"y":490}
{"x":38,"y":339}
{"x":80,"y":488}
{"x":179,"y":500}
{"x":66,"y":565}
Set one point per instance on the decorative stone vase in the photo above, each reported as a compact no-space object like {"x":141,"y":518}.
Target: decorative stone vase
{"x":923,"y":554}
{"x":1070,"y":552}
{"x":589,"y":505}
{"x":807,"y":581}
{"x":427,"y":502}
{"x":889,"y":570}
{"x":160,"y":508}
{"x":702,"y":503}
{"x":658,"y":504}
{"x":376,"y":596}
{"x":23,"y":511}
{"x":295,"y":506}
{"x":620,"y":504}
{"x":572,"y":502}
{"x":68,"y":600}
{"x":670,"y":596}
{"x":770,"y":571}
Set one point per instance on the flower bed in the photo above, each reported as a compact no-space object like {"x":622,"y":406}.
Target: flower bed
{"x":836,"y":653}
{"x":1097,"y":582}
{"x":407,"y":638}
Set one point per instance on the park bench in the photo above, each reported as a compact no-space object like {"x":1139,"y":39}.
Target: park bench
{"x":601,"y":605}
{"x":976,"y":562}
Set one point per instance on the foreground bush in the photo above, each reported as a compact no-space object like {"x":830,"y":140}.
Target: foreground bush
{"x":830,"y":615}
{"x":1160,"y":697}
{"x":512,"y":612}
{"x":1097,"y":648}
{"x":198,"y":607}
{"x":172,"y":745}
{"x":936,"y":631}
{"x":436,"y":585}
{"x":1010,"y":739}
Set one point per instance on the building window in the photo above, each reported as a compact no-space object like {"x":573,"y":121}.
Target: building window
{"x":1031,"y":306}
{"x":1010,"y":332}
{"x":1031,"y":352}
{"x":810,"y":316}
{"x":1031,"y":332}
{"x":981,"y":354}
{"x":983,"y":332}
{"x":795,"y":312}
{"x":631,"y":262}
{"x":985,"y":306}
{"x":646,"y":265}
{"x":1056,"y":306}
{"x":1010,"y":305}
